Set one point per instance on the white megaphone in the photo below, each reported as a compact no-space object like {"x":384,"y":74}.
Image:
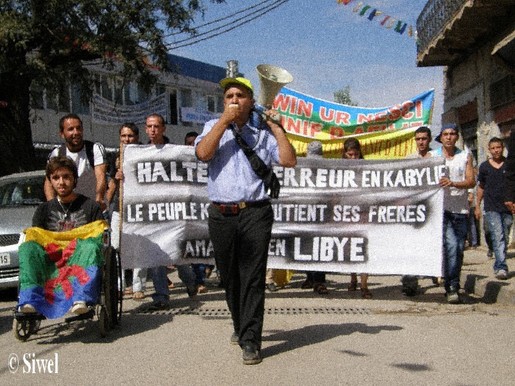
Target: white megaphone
{"x":272,"y":79}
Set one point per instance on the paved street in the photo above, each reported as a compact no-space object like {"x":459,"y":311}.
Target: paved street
{"x":308,"y":338}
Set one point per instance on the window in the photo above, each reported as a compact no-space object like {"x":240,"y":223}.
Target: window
{"x":143,"y":95}
{"x":134,"y":94}
{"x":59,"y":100}
{"x":160,"y":89}
{"x":186,"y":98}
{"x":211,"y":103}
{"x":502,"y":91}
{"x":131,"y":94}
{"x":103,"y":86}
{"x":174,"y":115}
{"x":78,"y":105}
{"x":186,"y":101}
{"x":118,"y":92}
{"x":219,"y":105}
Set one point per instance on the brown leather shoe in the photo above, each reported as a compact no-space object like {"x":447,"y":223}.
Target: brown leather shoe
{"x":366,"y":294}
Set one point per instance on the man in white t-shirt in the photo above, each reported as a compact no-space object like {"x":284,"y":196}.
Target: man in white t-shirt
{"x":89,"y":157}
{"x":458,"y":179}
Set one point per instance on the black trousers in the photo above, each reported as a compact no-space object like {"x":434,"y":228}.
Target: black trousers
{"x":240,"y":245}
{"x":315,"y":276}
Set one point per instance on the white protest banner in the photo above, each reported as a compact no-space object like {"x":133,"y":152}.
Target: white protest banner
{"x":378,"y":217}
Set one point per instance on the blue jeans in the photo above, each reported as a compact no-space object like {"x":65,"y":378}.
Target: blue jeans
{"x":454,"y":235}
{"x":499,"y":224}
{"x":472,"y":229}
{"x":488,"y":236}
{"x":162,"y":293}
{"x":187,"y":276}
{"x":200,"y":273}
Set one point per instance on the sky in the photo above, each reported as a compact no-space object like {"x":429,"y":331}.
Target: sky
{"x":326,"y":47}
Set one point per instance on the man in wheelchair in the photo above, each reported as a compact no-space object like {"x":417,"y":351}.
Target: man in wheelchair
{"x":60,"y":270}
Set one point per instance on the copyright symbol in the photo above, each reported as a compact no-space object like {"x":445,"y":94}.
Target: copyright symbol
{"x":13,"y":363}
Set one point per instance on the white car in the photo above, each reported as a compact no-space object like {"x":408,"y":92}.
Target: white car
{"x":20,"y":194}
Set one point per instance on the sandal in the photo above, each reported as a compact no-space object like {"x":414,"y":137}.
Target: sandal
{"x":353,"y":286}
{"x":366,"y":294}
{"x":320,"y":289}
{"x":128,"y":291}
{"x":138,"y":295}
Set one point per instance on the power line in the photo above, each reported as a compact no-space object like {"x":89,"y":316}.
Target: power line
{"x":223,"y":18}
{"x":242,"y":20}
{"x":263,"y":7}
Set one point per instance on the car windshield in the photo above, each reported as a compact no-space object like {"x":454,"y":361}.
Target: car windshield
{"x":27,"y":191}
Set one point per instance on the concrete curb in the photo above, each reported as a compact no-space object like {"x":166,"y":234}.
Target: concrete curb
{"x":477,"y":278}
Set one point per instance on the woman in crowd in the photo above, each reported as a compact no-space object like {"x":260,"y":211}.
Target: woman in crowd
{"x":352,"y":150}
{"x":129,"y":134}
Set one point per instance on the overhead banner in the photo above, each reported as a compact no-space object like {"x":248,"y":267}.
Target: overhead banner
{"x":104,"y":111}
{"x":346,"y":216}
{"x":387,"y":131}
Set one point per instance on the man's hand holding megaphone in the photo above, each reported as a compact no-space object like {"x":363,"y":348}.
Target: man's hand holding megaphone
{"x":270,"y":116}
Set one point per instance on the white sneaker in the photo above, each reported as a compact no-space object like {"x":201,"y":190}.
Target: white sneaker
{"x":453,"y":297}
{"x":79,"y":308}
{"x":501,"y":274}
{"x":28,"y":309}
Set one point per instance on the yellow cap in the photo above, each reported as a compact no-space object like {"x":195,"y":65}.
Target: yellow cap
{"x":224,"y":83}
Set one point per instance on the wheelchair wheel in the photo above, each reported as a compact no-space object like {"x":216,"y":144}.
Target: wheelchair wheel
{"x":113,"y":290}
{"x":23,"y":329}
{"x":103,"y":321}
{"x":110,"y":308}
{"x":119,"y":288}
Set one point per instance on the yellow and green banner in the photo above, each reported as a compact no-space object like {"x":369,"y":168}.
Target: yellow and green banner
{"x":385,"y":132}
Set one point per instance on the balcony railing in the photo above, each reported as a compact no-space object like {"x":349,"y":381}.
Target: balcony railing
{"x":433,"y":19}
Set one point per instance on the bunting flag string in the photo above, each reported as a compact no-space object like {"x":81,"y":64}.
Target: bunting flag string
{"x":387,"y":21}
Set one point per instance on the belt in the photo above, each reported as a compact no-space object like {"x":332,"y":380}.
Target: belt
{"x":234,"y":208}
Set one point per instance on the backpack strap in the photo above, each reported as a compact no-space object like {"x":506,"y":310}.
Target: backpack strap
{"x":62,"y":150}
{"x":260,"y":168}
{"x":89,"y":153}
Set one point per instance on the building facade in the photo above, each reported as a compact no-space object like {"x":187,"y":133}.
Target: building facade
{"x":475,"y":41}
{"x":187,"y":97}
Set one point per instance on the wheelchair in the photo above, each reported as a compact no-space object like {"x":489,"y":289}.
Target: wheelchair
{"x":107,"y":310}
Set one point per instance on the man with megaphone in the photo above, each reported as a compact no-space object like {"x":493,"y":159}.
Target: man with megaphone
{"x":239,"y":152}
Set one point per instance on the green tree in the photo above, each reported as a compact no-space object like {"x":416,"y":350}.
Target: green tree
{"x":343,"y":96}
{"x":51,"y":42}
